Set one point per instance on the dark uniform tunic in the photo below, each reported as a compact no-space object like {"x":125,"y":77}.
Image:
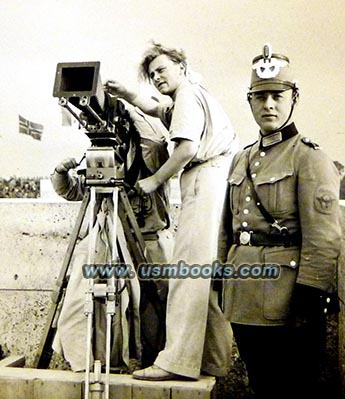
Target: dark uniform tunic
{"x":299,"y":186}
{"x":279,"y":323}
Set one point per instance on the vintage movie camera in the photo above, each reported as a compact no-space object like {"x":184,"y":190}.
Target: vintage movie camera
{"x":106,"y":122}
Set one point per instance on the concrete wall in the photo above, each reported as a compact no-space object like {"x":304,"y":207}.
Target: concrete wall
{"x":33,"y":241}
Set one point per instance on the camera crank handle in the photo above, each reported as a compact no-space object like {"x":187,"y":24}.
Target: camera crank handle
{"x":84,"y":156}
{"x":81,"y":171}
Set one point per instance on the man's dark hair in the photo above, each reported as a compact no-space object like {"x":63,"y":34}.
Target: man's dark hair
{"x":156,"y":50}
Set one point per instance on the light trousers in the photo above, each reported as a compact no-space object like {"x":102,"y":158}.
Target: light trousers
{"x":199,"y":338}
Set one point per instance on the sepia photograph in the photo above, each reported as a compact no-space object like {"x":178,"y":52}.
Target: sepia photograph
{"x":172,"y":199}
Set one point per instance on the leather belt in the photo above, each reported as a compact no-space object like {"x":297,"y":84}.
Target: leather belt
{"x":267,"y":240}
{"x":191,"y":165}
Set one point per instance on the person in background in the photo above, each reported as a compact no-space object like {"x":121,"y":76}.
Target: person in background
{"x":199,"y":339}
{"x":147,"y":151}
{"x":283,"y":214}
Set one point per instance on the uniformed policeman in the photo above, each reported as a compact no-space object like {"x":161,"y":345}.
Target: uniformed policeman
{"x":283,"y":196}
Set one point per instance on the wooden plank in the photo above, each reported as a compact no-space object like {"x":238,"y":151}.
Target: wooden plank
{"x":31,"y":383}
{"x":151,"y":392}
{"x":190,"y":393}
{"x":204,"y":388}
{"x":56,"y":389}
{"x":13,"y":389}
{"x":13,"y":361}
{"x":20,"y":383}
{"x":120,"y":391}
{"x":17,"y":373}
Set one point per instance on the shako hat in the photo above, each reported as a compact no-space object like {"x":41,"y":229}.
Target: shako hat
{"x":271,"y":72}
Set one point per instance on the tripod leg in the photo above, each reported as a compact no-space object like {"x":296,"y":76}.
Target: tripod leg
{"x":132,"y":230}
{"x":44,"y":353}
{"x":110,"y":297}
{"x":89,"y":309}
{"x":89,"y":304}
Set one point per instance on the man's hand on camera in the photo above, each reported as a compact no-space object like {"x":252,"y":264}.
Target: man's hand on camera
{"x":115,"y":88}
{"x":118,"y":89}
{"x":66,"y":165}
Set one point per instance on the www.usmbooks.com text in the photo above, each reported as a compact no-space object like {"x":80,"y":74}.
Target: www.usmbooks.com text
{"x":181,"y":270}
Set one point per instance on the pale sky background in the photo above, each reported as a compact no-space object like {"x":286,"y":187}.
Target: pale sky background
{"x":220,"y":38}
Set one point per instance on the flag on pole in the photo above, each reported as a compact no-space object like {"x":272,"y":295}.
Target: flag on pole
{"x":33,"y":129}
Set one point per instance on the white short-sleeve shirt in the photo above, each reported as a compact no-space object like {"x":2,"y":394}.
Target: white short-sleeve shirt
{"x":196,"y":115}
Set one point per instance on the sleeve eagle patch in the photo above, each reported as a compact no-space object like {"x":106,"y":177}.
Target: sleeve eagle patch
{"x":324,"y":201}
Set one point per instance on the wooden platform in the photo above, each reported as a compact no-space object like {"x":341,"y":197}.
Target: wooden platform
{"x":28,"y":383}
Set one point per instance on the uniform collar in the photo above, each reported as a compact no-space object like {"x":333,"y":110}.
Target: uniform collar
{"x":278,"y":137}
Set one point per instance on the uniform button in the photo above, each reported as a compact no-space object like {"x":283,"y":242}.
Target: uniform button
{"x":293,"y":263}
{"x":248,"y":198}
{"x":244,"y":224}
{"x":257,"y":163}
{"x":245,"y":211}
{"x":254,"y":175}
{"x":328,"y":300}
{"x":262,"y":153}
{"x":272,"y":178}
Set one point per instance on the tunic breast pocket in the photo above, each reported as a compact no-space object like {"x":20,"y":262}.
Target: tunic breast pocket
{"x":236,"y":192}
{"x":277,"y":192}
